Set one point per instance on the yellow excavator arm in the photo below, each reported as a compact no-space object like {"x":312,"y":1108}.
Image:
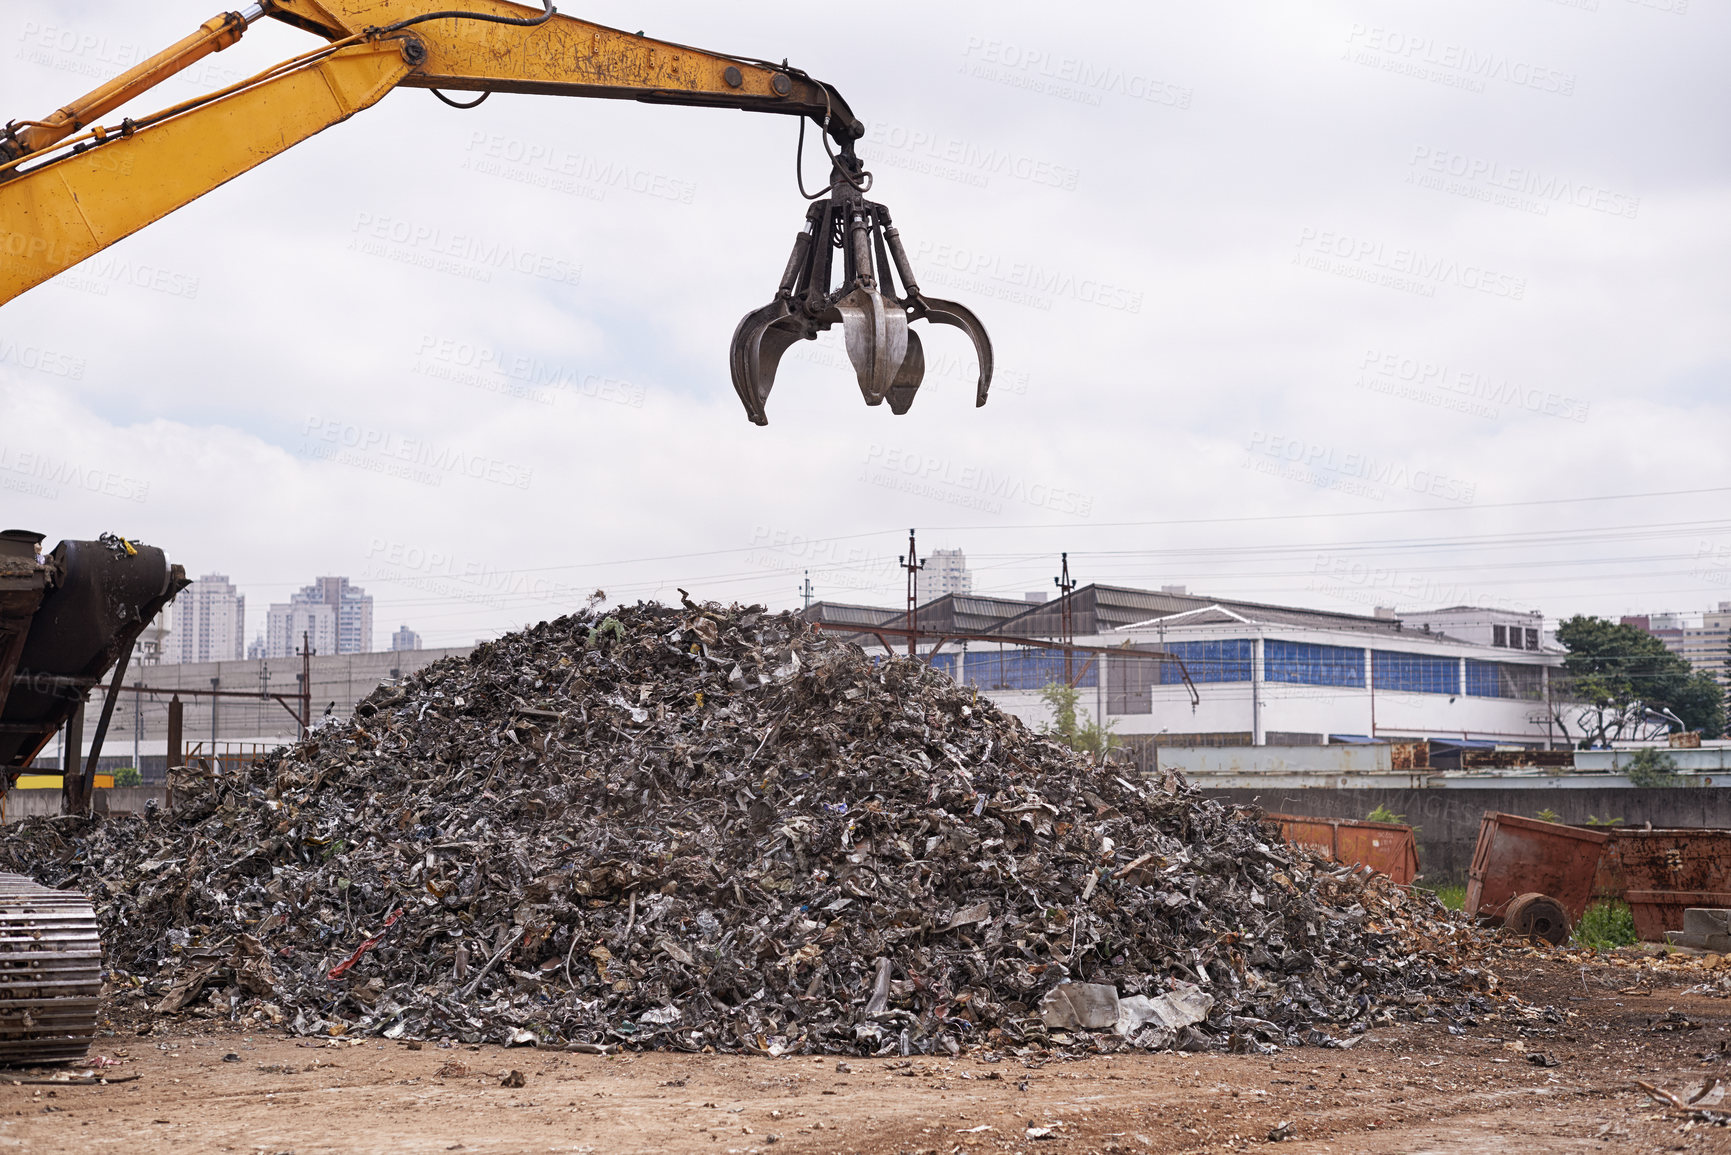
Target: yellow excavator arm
{"x":71,"y":185}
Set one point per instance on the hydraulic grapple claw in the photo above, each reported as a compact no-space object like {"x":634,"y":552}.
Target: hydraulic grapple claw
{"x":886,"y":354}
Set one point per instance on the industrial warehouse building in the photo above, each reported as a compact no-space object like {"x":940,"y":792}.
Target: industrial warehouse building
{"x":1196,"y":671}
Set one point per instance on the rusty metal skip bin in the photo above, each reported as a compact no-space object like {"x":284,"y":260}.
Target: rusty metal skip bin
{"x":1534,"y":877}
{"x":1661,"y":873}
{"x":1386,"y":847}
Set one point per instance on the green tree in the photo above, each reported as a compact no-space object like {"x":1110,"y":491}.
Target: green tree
{"x":1650,"y":767}
{"x":1070,"y":723}
{"x":1623,"y":672}
{"x":128,"y":776}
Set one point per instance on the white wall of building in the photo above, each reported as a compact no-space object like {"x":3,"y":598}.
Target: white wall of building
{"x":1260,"y":708}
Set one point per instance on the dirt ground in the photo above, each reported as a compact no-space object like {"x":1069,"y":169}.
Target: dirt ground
{"x":1411,"y":1089}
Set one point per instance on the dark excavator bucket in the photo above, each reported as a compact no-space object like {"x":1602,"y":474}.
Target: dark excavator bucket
{"x":886,"y":354}
{"x":66,"y":620}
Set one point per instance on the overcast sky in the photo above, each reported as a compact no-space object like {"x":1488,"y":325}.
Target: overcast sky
{"x":1334,"y":304}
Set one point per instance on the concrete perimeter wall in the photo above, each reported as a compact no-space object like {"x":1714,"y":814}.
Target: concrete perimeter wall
{"x":46,"y":803}
{"x":1449,"y":819}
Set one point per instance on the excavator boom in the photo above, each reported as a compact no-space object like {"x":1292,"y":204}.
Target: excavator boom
{"x":71,"y":185}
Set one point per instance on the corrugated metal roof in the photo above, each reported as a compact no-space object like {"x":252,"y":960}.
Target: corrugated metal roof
{"x":968,"y":613}
{"x":1096,"y":609}
{"x":841,"y":614}
{"x":1100,"y":609}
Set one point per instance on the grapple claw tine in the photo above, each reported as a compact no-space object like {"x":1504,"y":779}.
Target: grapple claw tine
{"x":758,"y":343}
{"x":876,"y":333}
{"x":913,"y":371}
{"x":941,"y":312}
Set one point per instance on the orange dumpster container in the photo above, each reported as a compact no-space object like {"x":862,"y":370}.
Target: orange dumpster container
{"x":1387,"y":847}
{"x":1661,"y":873}
{"x":1517,"y":856}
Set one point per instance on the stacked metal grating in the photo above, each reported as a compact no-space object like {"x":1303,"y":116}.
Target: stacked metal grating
{"x":50,"y":973}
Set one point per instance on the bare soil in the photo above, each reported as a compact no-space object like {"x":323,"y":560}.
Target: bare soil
{"x":1420,"y":1088}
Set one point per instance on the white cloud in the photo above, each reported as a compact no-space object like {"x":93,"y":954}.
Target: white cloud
{"x":1200,"y":151}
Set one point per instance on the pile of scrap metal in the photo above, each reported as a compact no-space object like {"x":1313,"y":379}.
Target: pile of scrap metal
{"x":66,"y":619}
{"x":713,"y":827}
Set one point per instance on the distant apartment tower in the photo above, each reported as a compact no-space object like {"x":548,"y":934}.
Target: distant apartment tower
{"x":208,"y":623}
{"x":405,"y":639}
{"x":946,"y":572}
{"x":1706,"y":647}
{"x":288,"y":626}
{"x":335,"y":616}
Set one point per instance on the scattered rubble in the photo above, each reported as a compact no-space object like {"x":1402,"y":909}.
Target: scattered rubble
{"x":712,"y":828}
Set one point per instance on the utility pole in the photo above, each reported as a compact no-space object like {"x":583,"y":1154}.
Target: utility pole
{"x":1066,"y":621}
{"x":306,"y":681}
{"x":913,"y":564}
{"x":176,"y":721}
{"x":806,"y":592}
{"x":137,"y":730}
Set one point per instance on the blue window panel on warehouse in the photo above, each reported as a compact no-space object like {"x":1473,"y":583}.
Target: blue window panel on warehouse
{"x":1311,"y":665}
{"x":1225,"y":661}
{"x":1501,"y":680}
{"x":1415,"y":673}
{"x":1484,"y":679}
{"x":1025,"y":669}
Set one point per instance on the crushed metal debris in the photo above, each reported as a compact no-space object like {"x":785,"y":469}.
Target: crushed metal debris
{"x":713,"y":828}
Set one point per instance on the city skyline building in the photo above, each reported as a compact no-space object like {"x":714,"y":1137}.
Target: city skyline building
{"x":1701,"y":639}
{"x":335,"y":615}
{"x":207,"y":623}
{"x":946,"y":572}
